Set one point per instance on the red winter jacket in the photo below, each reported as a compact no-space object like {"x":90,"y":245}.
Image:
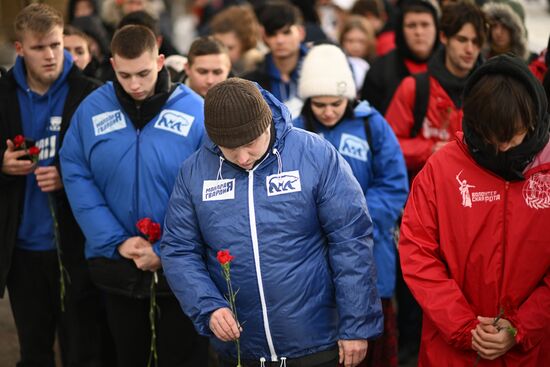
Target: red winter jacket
{"x":441,"y":122}
{"x":471,"y":243}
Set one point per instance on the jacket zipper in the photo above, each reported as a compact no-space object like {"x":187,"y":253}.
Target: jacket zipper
{"x":256,"y":250}
{"x":504,"y":237}
{"x":138,"y":132}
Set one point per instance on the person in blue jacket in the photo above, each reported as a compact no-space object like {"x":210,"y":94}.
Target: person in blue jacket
{"x":368,"y":144}
{"x":120,"y":160}
{"x":287,"y":207}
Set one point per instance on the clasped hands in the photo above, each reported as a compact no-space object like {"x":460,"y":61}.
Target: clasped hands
{"x":492,"y":341}
{"x":141,"y":251}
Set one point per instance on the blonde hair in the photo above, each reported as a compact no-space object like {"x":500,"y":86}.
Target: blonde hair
{"x":358,"y":22}
{"x":37,"y":18}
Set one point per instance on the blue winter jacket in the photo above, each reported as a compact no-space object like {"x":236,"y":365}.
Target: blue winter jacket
{"x":115,"y":175}
{"x":299,"y":229}
{"x":382,"y":174}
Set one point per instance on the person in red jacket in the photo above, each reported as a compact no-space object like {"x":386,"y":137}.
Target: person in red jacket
{"x":474,"y":248}
{"x":463,"y":31}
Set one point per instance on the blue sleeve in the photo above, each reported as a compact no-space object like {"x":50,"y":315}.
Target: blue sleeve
{"x":347,"y":224}
{"x":102,"y":230}
{"x":387,"y":191}
{"x":183,"y":254}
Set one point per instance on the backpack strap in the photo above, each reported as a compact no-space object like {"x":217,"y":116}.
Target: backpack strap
{"x":368,"y":134}
{"x":422,"y":83}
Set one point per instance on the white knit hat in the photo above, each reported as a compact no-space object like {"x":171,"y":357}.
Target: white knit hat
{"x":326,"y":72}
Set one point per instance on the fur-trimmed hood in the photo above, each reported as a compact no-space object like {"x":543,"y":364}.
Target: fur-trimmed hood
{"x":504,"y":13}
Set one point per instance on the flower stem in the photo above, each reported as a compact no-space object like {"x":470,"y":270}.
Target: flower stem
{"x":152,"y":320}
{"x":62,"y":270}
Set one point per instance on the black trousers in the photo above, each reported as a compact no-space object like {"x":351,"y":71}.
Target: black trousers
{"x":328,"y":358}
{"x":178,"y":344}
{"x":33,"y":286}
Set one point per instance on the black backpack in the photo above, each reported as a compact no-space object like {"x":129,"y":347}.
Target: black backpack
{"x":422,"y":82}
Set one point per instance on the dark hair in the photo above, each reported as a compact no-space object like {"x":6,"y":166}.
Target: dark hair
{"x":241,"y":20}
{"x":37,"y":18}
{"x":142,"y":18}
{"x":205,"y":46}
{"x":457,"y":14}
{"x":275,"y":15}
{"x":498,"y":107}
{"x":70,"y":30}
{"x":364,"y":7}
{"x":131,"y":41}
{"x":309,"y":117}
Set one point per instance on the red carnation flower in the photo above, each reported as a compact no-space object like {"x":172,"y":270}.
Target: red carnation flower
{"x":34,"y":151}
{"x":224,"y":257}
{"x":151,"y":230}
{"x":18,"y":141}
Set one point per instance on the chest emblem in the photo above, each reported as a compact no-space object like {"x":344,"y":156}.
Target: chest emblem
{"x":353,"y":147}
{"x":468,"y":198}
{"x":283,"y":183}
{"x":108,"y":122}
{"x":213,"y":190}
{"x":175,"y":122}
{"x":536,"y":191}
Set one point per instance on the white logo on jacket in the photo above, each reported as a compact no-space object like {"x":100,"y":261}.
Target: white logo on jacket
{"x":55,"y":123}
{"x":175,"y":122}
{"x":536,"y":191}
{"x":107,"y":122}
{"x":283,"y":183}
{"x":218,"y":190}
{"x":353,"y":147}
{"x":476,"y":196}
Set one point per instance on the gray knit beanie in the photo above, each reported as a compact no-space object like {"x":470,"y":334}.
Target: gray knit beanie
{"x":235,"y":113}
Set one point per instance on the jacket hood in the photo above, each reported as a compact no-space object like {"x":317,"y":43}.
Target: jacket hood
{"x":282,"y":121}
{"x":503,"y":12}
{"x":510,"y":164}
{"x":20,"y":73}
{"x":400,"y":43}
{"x":363,"y":109}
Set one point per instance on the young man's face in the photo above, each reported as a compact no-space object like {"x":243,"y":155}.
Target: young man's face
{"x":138,"y":76}
{"x":461,"y":50}
{"x":500,"y":36}
{"x":328,"y":110}
{"x":43,"y":56}
{"x":420,"y":33}
{"x":285,"y":42}
{"x":207,"y":71}
{"x":79,"y":49}
{"x":247,"y":155}
{"x":232,"y":43}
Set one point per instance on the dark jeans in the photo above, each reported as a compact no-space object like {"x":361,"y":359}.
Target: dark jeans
{"x":178,"y":344}
{"x":33,"y":286}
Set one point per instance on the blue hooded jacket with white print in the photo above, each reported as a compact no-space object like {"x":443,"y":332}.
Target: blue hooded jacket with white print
{"x":41,"y":122}
{"x":382,"y":174}
{"x":115,"y":174}
{"x":298,"y":227}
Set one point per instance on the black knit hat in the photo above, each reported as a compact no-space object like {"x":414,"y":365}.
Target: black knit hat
{"x":235,"y":113}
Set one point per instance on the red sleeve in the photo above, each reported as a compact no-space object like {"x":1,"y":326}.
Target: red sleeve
{"x":425,"y":270}
{"x":400,"y":116}
{"x":533,"y":317}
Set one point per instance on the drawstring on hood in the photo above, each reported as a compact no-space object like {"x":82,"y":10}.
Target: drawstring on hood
{"x":510,"y":164}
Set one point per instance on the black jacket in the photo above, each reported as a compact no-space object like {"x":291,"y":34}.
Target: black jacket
{"x":382,"y":80}
{"x":12,"y":188}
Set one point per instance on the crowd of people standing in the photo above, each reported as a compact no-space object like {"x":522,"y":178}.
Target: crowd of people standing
{"x":379,"y":172}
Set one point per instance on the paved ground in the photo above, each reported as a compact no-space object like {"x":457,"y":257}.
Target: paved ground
{"x":9,"y":349}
